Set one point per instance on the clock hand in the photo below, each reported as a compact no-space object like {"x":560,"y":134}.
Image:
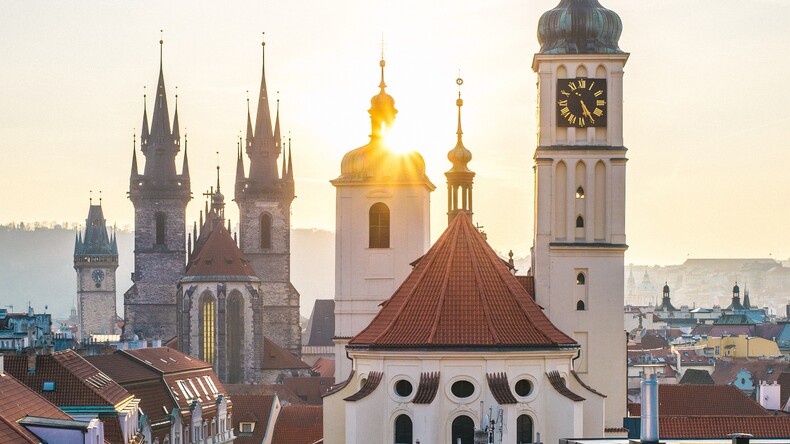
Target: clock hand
{"x":586,"y":112}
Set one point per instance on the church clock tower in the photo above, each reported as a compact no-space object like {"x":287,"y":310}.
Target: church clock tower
{"x":95,"y":260}
{"x":579,"y":242}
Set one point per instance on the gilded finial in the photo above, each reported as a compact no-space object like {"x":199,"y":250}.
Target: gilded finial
{"x":263,"y":39}
{"x":382,"y":64}
{"x":161,"y":45}
{"x":217,"y":171}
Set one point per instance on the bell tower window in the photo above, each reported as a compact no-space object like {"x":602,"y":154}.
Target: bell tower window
{"x":159,"y":221}
{"x":579,"y":222}
{"x":379,"y":226}
{"x":580,"y":290}
{"x":580,"y":193}
{"x":266,"y":230}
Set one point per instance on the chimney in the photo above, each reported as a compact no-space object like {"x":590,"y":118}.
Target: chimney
{"x":740,"y":438}
{"x":649,"y":389}
{"x":31,"y":359}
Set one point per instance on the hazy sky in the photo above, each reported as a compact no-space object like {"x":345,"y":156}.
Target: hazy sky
{"x":707,"y":106}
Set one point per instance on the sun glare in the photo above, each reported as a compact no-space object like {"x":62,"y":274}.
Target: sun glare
{"x":394,"y":140}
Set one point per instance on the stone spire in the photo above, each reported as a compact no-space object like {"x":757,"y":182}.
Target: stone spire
{"x":135,"y":172}
{"x":460,"y":178}
{"x":263,"y":150}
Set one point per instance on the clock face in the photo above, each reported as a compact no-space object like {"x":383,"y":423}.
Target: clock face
{"x":98,"y":276}
{"x":581,"y":102}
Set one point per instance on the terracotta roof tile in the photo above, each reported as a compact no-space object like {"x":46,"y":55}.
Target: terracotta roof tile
{"x":121,"y":369}
{"x":13,"y":433}
{"x":461,"y":294}
{"x":19,"y":401}
{"x":697,"y":377}
{"x":374,"y":378}
{"x":426,"y":390}
{"x":583,"y":384}
{"x":706,"y":400}
{"x":278,"y":358}
{"x":324,"y":367}
{"x":155,"y":399}
{"x":164,"y":360}
{"x":77,"y":382}
{"x":299,"y":424}
{"x":219,"y":256}
{"x":761,"y":370}
{"x":556,"y":381}
{"x":251,"y":408}
{"x":284,"y":394}
{"x":721,"y":426}
{"x":202,"y":385}
{"x":500,"y":388}
{"x":309,"y":389}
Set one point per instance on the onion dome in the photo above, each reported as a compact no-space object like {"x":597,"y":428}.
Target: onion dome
{"x":579,"y":27}
{"x":666,"y":288}
{"x":376,"y":161}
{"x":736,"y":289}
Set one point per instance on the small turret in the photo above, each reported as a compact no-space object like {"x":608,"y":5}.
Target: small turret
{"x":460,"y":178}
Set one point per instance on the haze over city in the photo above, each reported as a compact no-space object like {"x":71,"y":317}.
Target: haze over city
{"x":703,"y":120}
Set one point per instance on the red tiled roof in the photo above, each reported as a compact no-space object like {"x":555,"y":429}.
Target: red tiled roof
{"x":284,"y":394}
{"x":165,"y":360}
{"x":194,"y":385}
{"x":324,"y":367}
{"x":18,"y":401}
{"x":702,"y":400}
{"x":761,"y":370}
{"x":374,"y":378}
{"x":299,"y":424}
{"x":121,"y":369}
{"x":219,"y":256}
{"x":559,"y":385}
{"x":500,"y":388}
{"x":426,"y":391}
{"x":278,"y":358}
{"x":251,"y":408}
{"x":309,"y":389}
{"x":155,"y":399}
{"x":461,"y":294}
{"x":721,"y":426}
{"x":77,"y":382}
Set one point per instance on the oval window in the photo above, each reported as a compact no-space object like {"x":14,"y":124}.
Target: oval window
{"x":462,"y":389}
{"x":523,"y":387}
{"x":403,"y":388}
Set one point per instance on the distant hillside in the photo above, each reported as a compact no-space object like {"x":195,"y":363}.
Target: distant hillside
{"x":36,"y":265}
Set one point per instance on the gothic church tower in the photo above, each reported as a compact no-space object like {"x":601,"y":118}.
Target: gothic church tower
{"x":95,"y":260}
{"x":160,"y":196}
{"x":382,"y":225}
{"x":264,"y":197}
{"x":579,"y":167}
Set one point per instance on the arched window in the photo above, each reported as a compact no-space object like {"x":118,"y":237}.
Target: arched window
{"x":463,"y":428}
{"x":235,"y":326}
{"x":379,"y":226}
{"x":403,"y":430}
{"x":580,"y":279}
{"x":523,"y":429}
{"x":580,"y":306}
{"x":580,"y":193}
{"x":266,"y":230}
{"x":159,"y":220}
{"x":579,"y":222}
{"x":207,"y":323}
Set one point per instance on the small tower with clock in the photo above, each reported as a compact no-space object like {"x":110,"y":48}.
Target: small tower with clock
{"x":579,"y":241}
{"x":95,"y":260}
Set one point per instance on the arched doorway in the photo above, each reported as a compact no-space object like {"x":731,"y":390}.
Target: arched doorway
{"x":403,"y":430}
{"x":463,"y":428}
{"x":524,"y":429}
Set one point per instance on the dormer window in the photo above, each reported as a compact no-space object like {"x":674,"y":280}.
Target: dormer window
{"x":246,"y":427}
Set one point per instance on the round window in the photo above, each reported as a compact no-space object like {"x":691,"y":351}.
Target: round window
{"x":403,"y":388}
{"x":462,"y":389}
{"x":523,"y":387}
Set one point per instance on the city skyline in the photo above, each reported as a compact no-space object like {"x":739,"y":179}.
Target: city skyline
{"x":77,"y":87}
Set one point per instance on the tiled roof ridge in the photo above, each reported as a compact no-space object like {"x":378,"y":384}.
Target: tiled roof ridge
{"x":373,"y":380}
{"x":423,"y":272}
{"x":69,"y":358}
{"x":142,"y":362}
{"x":479,"y":280}
{"x":556,"y":381}
{"x":427,"y":388}
{"x":583,"y":384}
{"x":21,"y":431}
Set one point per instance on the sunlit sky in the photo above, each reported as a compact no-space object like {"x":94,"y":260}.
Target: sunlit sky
{"x":707,"y":106}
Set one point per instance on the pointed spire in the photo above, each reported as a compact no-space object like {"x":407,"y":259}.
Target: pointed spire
{"x":114,"y":241}
{"x":134,"y":155}
{"x":194,"y":231}
{"x":460,"y":178}
{"x":285,"y":166}
{"x":77,"y":249}
{"x":189,"y":244}
{"x":249,"y":124}
{"x":263,"y":119}
{"x":290,"y":162}
{"x":145,"y":132}
{"x":185,"y":166}
{"x":277,"y":137}
{"x":176,"y":133}
{"x":160,"y":122}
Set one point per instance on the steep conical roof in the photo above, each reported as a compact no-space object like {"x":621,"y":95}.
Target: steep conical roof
{"x":219,"y":257}
{"x":96,"y":240}
{"x":461,"y":294}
